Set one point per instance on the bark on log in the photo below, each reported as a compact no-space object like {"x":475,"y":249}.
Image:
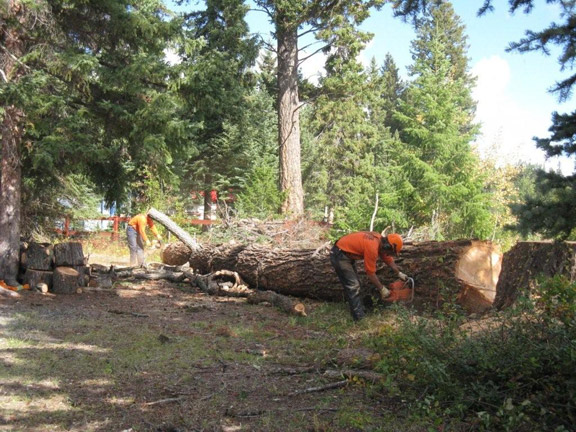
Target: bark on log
{"x":39,"y":256}
{"x":441,"y":270}
{"x":36,"y":277}
{"x":65,"y":280}
{"x":526,"y":261}
{"x":176,"y":253}
{"x":68,"y":254}
{"x":173,"y":227}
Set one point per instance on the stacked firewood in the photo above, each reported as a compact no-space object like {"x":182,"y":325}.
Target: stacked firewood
{"x":59,"y":268}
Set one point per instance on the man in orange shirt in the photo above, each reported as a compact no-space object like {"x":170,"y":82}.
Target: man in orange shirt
{"x":368,"y":246}
{"x":136,"y":234}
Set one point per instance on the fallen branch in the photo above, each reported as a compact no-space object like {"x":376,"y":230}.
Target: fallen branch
{"x":119,"y":312}
{"x":281,"y":302}
{"x":354,"y":374}
{"x":330,"y":386}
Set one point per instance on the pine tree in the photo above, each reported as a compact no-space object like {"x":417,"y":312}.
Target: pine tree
{"x":551,"y":210}
{"x":348,"y":153}
{"x":217,"y":84}
{"x":325,"y":19}
{"x":436,"y":125}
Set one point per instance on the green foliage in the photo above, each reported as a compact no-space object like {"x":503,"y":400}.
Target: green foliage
{"x":217,"y":84}
{"x":556,"y":296}
{"x":436,"y":123}
{"x":95,"y":94}
{"x":550,"y":209}
{"x":509,"y":372}
{"x":346,"y":160}
{"x":260,"y":197}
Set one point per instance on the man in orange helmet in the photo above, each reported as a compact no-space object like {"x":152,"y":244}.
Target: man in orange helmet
{"x":136,"y":235}
{"x":368,"y":246}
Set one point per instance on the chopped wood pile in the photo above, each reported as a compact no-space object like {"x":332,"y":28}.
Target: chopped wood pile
{"x":60,"y":268}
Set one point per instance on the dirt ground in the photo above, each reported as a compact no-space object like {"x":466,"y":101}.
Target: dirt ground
{"x":159,"y":356}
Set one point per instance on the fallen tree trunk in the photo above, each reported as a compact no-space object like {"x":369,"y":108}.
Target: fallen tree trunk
{"x":527,"y":261}
{"x":442,"y":271}
{"x":173,"y":227}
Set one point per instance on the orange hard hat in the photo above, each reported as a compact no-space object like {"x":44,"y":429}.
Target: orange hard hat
{"x":396,"y":242}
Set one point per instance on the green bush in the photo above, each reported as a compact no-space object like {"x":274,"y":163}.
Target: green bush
{"x":513,"y":371}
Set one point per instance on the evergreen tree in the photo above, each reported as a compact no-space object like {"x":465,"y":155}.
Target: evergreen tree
{"x":392,"y":92}
{"x":436,"y":125}
{"x":217,"y":83}
{"x":348,"y":154}
{"x":88,"y":78}
{"x":551,"y":210}
{"x":324,"y":18}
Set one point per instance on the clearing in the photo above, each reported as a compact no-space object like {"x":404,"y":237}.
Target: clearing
{"x":159,"y":356}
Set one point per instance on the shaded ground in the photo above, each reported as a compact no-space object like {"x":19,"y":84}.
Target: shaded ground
{"x":155,"y":356}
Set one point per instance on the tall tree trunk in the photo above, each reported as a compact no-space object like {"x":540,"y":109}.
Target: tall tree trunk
{"x":10,"y":178}
{"x":289,"y":121}
{"x":10,"y":196}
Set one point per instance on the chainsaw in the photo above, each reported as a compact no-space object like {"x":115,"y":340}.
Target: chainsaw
{"x":401,"y":291}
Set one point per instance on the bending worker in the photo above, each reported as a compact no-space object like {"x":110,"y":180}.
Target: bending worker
{"x":136,"y":234}
{"x":368,"y":246}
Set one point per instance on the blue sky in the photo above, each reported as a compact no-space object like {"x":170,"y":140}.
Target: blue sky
{"x":514,"y":104}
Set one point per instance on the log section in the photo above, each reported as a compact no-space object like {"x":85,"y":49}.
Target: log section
{"x":526,"y":261}
{"x":68,"y":254}
{"x":66,"y":280}
{"x":39,"y":256}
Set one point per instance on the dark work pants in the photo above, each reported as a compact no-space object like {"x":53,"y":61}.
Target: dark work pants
{"x":346,"y":271}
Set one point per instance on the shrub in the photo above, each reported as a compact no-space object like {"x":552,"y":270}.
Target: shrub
{"x":513,"y":371}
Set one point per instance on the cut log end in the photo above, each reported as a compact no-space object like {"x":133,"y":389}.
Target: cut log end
{"x":479,"y":268}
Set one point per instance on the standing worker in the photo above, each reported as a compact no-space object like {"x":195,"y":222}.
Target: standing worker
{"x":368,"y":246}
{"x":136,"y":234}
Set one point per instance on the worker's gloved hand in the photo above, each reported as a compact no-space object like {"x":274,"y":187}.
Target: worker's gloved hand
{"x":148,"y":243}
{"x":384,"y":293}
{"x":402,"y":276}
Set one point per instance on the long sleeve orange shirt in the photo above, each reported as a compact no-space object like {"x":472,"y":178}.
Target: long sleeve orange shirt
{"x":139,"y":223}
{"x":364,"y":245}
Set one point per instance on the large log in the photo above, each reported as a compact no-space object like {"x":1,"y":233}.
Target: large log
{"x":66,"y":280}
{"x":36,"y":277}
{"x":176,"y":253}
{"x":38,"y":256}
{"x":527,"y":261}
{"x":442,"y":270}
{"x":68,"y":254}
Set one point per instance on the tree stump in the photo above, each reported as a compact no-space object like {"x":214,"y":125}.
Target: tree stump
{"x":68,"y":254}
{"x":38,"y":256}
{"x":442,"y":271}
{"x":527,"y":261}
{"x":65,"y":280}
{"x":36,"y":277}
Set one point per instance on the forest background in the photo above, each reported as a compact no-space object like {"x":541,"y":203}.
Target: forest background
{"x":92,"y":109}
